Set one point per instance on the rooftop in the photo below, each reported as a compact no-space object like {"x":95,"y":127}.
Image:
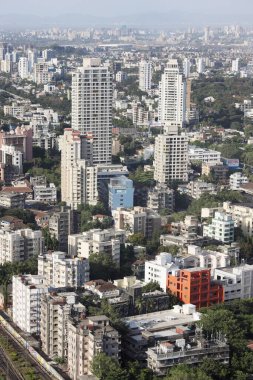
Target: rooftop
{"x":162,"y":320}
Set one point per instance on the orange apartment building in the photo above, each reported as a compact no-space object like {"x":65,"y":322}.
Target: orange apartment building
{"x":195,"y":286}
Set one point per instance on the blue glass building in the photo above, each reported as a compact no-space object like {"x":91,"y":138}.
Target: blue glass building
{"x":121,"y":193}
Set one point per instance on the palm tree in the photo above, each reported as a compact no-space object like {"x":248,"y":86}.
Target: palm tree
{"x":139,"y":303}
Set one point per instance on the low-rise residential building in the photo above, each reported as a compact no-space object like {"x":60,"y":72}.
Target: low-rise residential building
{"x":188,"y":351}
{"x":137,"y":220}
{"x":218,"y":171}
{"x":221,"y":228}
{"x":237,"y":281}
{"x":97,"y":241}
{"x":204,"y":155}
{"x":236,"y":180}
{"x":16,"y":109}
{"x":161,"y":198}
{"x":206,"y":258}
{"x":45,"y":194}
{"x":242,"y":215}
{"x":121,"y":193}
{"x":60,"y":271}
{"x":145,"y":330}
{"x":12,"y":200}
{"x":187,"y":228}
{"x":102,"y":289}
{"x":27,"y":291}
{"x":197,"y":188}
{"x":157,"y":270}
{"x":195,"y":286}
{"x":86,"y":339}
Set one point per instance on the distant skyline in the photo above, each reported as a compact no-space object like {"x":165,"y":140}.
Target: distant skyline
{"x":112,"y":8}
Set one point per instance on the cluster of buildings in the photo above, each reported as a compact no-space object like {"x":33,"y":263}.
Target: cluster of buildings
{"x":198,"y":261}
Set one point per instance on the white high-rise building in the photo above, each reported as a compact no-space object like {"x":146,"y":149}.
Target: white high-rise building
{"x":207,"y":34}
{"x":237,"y":282}
{"x":31,"y":54}
{"x":236,"y":65}
{"x":41,"y":73}
{"x":23,"y":68}
{"x":27,"y":291}
{"x":187,"y":67}
{"x":145,"y":75}
{"x":92,"y":94}
{"x":172,"y":95}
{"x":236,"y":180}
{"x":60,"y":271}
{"x":20,"y":245}
{"x":97,"y":241}
{"x":221,"y":228}
{"x":157,"y":270}
{"x":171,"y":156}
{"x":201,"y":65}
{"x":78,"y":176}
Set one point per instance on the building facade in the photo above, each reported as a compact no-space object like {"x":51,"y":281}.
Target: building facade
{"x":27,"y":291}
{"x":137,"y":220}
{"x":145,"y":76}
{"x":157,"y":270}
{"x":161,"y":197}
{"x":55,"y":311}
{"x":92,"y":106}
{"x":60,"y":271}
{"x":88,"y":338}
{"x":195,"y":286}
{"x":64,"y":223}
{"x":78,"y":175}
{"x":221,"y":228}
{"x":20,"y":245}
{"x":172,"y":94}
{"x":97,"y":241}
{"x":121,"y":193}
{"x":171,"y":157}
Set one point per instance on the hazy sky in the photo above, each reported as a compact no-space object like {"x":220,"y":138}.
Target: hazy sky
{"x":121,"y":7}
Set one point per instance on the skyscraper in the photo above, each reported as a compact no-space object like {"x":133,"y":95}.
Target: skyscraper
{"x":201,"y":65}
{"x":32,"y":59}
{"x":187,"y":67}
{"x":78,"y":176}
{"x":235,"y":65}
{"x":171,"y":156}
{"x":23,"y":67}
{"x":145,"y":75}
{"x":92,"y":93}
{"x":207,"y":34}
{"x":172,"y":94}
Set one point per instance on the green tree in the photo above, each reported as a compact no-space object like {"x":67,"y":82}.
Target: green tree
{"x":184,"y":372}
{"x":151,"y":287}
{"x":137,"y":239}
{"x":50,"y":240}
{"x":135,"y":372}
{"x":107,"y":368}
{"x":103,"y":267}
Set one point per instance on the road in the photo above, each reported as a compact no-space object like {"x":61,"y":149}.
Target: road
{"x":17,"y":97}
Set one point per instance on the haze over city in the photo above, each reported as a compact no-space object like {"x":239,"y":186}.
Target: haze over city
{"x":144,"y":12}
